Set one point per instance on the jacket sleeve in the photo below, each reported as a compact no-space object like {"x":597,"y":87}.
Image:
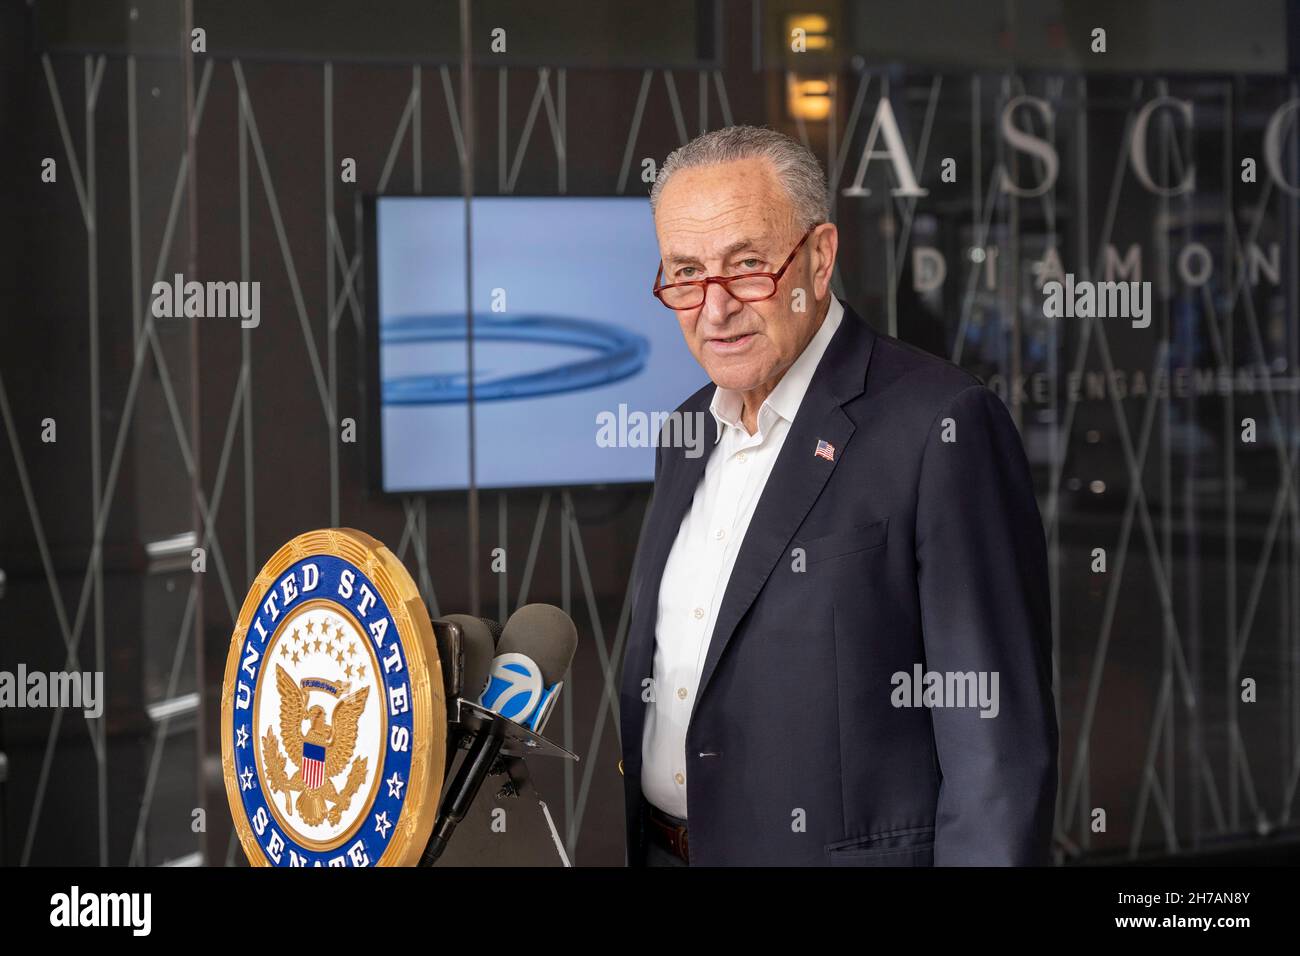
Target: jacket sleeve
{"x":984,"y":602}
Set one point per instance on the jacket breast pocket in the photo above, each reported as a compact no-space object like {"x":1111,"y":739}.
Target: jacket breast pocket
{"x":912,"y":847}
{"x":861,"y":537}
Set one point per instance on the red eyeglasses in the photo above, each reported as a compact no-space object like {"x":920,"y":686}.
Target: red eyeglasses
{"x":747,"y":287}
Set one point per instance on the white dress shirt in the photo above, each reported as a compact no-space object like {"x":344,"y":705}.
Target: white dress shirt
{"x":702,"y":557}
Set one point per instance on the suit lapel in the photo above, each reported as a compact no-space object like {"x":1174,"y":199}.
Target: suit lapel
{"x":796,"y":479}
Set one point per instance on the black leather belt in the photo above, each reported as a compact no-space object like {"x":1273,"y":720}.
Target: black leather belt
{"x":668,"y":832}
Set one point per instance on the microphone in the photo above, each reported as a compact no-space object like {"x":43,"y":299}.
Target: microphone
{"x":467,"y":645}
{"x":479,"y":637}
{"x":535,"y":649}
{"x":544,"y":633}
{"x":494,"y":627}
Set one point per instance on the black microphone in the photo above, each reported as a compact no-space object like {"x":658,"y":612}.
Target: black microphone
{"x":479,"y":637}
{"x":473,"y":654}
{"x":547,"y":636}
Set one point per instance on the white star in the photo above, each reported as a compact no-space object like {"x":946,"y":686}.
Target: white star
{"x":241,"y":736}
{"x":395,"y":784}
{"x":246,"y":779}
{"x":382,"y":824}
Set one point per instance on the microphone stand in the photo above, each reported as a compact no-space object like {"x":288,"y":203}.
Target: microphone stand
{"x":490,"y":739}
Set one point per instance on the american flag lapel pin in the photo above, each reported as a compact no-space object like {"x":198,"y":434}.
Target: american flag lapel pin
{"x":825,"y":450}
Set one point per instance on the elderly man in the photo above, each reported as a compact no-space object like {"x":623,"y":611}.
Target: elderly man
{"x":839,"y":649}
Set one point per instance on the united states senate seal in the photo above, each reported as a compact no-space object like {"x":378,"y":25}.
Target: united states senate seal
{"x":333,"y":717}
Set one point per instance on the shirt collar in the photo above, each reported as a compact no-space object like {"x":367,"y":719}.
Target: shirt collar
{"x":786,"y":398}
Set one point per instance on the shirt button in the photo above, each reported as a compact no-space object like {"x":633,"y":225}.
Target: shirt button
{"x":699,"y":613}
{"x":680,"y":778}
{"x":681,"y":693}
{"x":743,"y":456}
{"x":719,"y":534}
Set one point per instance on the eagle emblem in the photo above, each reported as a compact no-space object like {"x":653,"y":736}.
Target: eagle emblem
{"x":322,"y":752}
{"x":333,"y":709}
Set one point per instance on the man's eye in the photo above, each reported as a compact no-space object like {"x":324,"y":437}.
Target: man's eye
{"x":686,"y":272}
{"x":751,"y":263}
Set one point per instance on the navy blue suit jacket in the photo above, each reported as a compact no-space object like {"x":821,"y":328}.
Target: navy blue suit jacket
{"x":916,"y":550}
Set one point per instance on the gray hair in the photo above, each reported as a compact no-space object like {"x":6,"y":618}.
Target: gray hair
{"x":796,"y":168}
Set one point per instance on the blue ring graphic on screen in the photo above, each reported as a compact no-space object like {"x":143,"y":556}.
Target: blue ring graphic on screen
{"x":620,"y":354}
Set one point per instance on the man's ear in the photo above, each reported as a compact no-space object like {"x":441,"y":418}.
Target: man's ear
{"x":826,"y":244}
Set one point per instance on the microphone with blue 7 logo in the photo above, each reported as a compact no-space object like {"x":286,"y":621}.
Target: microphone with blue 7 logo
{"x":523,"y":683}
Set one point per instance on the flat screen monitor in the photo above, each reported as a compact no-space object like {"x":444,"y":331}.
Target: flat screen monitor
{"x":573,"y":359}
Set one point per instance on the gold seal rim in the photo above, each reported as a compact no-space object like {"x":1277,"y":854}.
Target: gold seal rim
{"x":429,"y":722}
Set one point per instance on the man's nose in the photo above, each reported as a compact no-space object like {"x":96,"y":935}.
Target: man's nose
{"x":719,"y":305}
